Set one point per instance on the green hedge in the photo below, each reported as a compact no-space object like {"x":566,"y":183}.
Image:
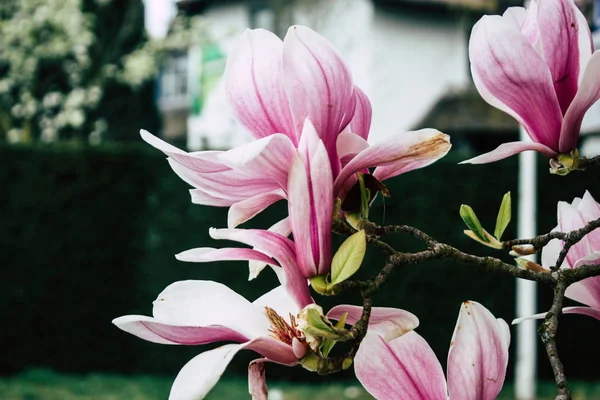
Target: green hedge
{"x":88,"y":234}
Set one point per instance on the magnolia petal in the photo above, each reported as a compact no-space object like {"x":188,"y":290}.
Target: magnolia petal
{"x":586,"y":292}
{"x":278,"y":247}
{"x":550,"y":253}
{"x":570,"y":219}
{"x":389,"y":323}
{"x":318,"y":85}
{"x":283,"y":228}
{"x":588,"y":208}
{"x":203,"y":303}
{"x":361,"y":122}
{"x":273,"y":349}
{"x":558,"y":26}
{"x":405,"y":367}
{"x":590,"y":312}
{"x":208,"y":254}
{"x":254,"y":85}
{"x":269,"y":156}
{"x":478,"y":354}
{"x":587,"y":95}
{"x":234,"y":185}
{"x":152,"y":330}
{"x":511,"y":76}
{"x":316,"y":222}
{"x":244,"y":210}
{"x":257,"y":383}
{"x":279,"y":300}
{"x":516,"y":15}
{"x":508,"y":149}
{"x":398,"y":154}
{"x":349,"y":145}
{"x":202,"y":161}
{"x":202,"y":373}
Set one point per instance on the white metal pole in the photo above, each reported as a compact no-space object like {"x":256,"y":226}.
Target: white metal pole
{"x":526,"y":354}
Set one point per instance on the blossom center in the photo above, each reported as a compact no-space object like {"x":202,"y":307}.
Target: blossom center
{"x":282,"y":330}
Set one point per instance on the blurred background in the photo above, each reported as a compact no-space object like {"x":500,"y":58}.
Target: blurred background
{"x":91,"y":217}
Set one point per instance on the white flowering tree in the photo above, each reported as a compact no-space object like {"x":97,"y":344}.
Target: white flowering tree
{"x":60,"y":61}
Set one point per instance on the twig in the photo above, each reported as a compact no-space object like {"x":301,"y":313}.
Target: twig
{"x":584,"y":162}
{"x":547,"y":332}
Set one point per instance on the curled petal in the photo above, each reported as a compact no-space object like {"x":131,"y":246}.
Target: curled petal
{"x":511,"y":76}
{"x":398,"y":154}
{"x":405,"y":367}
{"x":389,"y":323}
{"x":508,"y":149}
{"x":318,"y":85}
{"x":589,"y":311}
{"x":283,"y":228}
{"x":152,"y":330}
{"x":478,"y":354}
{"x":254,"y":85}
{"x":587,"y":95}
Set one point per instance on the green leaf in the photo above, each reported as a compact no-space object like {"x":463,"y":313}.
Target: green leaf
{"x":468,"y":215}
{"x":348,"y":258}
{"x":329,"y":343}
{"x":504,"y":215}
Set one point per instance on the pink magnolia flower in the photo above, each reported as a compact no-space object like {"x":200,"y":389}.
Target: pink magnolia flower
{"x":406,"y":367}
{"x":274,"y":88}
{"x":586,"y":252}
{"x":201,"y":312}
{"x":537,"y":65}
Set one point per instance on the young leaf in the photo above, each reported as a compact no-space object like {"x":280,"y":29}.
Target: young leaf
{"x":319,"y":326}
{"x":348,"y":258}
{"x":468,"y":215}
{"x":504,"y":215}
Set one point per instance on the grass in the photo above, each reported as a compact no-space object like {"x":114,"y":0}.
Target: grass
{"x":48,"y":385}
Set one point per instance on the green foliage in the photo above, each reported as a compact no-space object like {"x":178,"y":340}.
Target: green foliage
{"x":349,"y":257}
{"x":88,"y":234}
{"x":504,"y":215}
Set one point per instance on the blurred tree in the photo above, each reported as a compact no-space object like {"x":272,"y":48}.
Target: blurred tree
{"x":75,"y":69}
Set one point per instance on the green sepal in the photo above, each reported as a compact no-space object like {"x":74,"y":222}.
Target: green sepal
{"x":329,"y":343}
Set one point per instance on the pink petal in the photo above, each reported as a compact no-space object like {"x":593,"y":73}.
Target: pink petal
{"x":517,"y":16}
{"x":244,"y":210}
{"x":278,"y":247}
{"x":254,"y":85}
{"x":512,"y":77}
{"x":202,"y":373}
{"x":235,"y":185}
{"x":206,"y":303}
{"x":404,"y":368}
{"x":273,"y":349}
{"x":318,"y":85}
{"x":310,"y":203}
{"x":361,"y":122}
{"x":257,"y":384}
{"x":397,"y":154}
{"x":198,"y":196}
{"x":558,"y":26}
{"x":569,"y":219}
{"x":152,"y":330}
{"x":389,"y":323}
{"x":550,"y":253}
{"x":590,"y":312}
{"x":203,"y":161}
{"x":283,"y":228}
{"x":508,"y":149}
{"x":270,"y":156}
{"x":349,"y":145}
{"x":478,"y":354}
{"x":587,"y":95}
{"x":586,"y":292}
{"x":588,"y":208}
